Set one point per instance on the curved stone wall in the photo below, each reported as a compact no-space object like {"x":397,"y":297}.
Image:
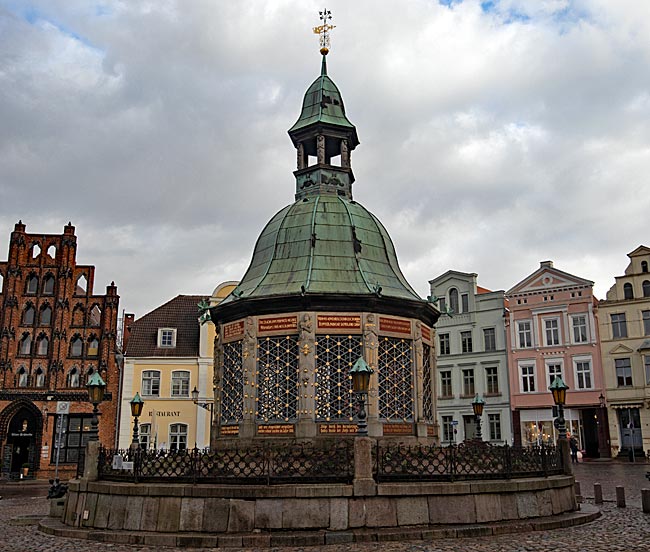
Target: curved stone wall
{"x":242,"y":509}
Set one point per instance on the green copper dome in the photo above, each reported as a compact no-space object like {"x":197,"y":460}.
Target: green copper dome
{"x":325,"y":244}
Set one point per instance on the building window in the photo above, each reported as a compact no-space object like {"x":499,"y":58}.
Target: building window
{"x":32,"y":285}
{"x":525,"y":334}
{"x":646,"y":364}
{"x":646,"y":288}
{"x":78,"y":315}
{"x":619,"y":325}
{"x":145,"y":436}
{"x":466,"y":341}
{"x":151,"y":383}
{"x":73,"y":377}
{"x":447,"y":429}
{"x":445,"y":346}
{"x":180,"y":384}
{"x":93,"y":346}
{"x":490,"y":339}
{"x":453,"y":300}
{"x":39,"y":380}
{"x":579,"y":329}
{"x":628,"y":293}
{"x":28,"y":315}
{"x":46,"y":315}
{"x":468,"y":382}
{"x":26,"y":345}
{"x":48,"y":285}
{"x":76,"y":347}
{"x":77,"y":431}
{"x":527,"y":378}
{"x":442,"y":303}
{"x":177,"y":437}
{"x":583,"y":374}
{"x":552,"y":331}
{"x":494,"y":421}
{"x":446,"y":389}
{"x":42,"y":345}
{"x":554,"y":370}
{"x":23,"y":377}
{"x":95,"y":316}
{"x":492,"y":380}
{"x":167,"y":337}
{"x":646,"y":322}
{"x":644,"y":266}
{"x":623,"y":372}
{"x":464,"y":298}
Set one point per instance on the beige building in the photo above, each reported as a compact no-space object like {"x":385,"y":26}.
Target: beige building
{"x":168,"y":353}
{"x":625,"y":344}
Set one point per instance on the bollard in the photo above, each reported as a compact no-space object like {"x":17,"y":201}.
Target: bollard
{"x":598,"y":493}
{"x":578,"y":492}
{"x":645,"y":500}
{"x":620,"y":497}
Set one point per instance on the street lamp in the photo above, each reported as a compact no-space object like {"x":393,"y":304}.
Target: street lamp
{"x":477,"y":405}
{"x":136,"y":409}
{"x":360,"y":374}
{"x":558,"y":388}
{"x":206,"y":406}
{"x":96,"y":387}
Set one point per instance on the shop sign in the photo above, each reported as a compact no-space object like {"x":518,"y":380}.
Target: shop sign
{"x":394,"y":325}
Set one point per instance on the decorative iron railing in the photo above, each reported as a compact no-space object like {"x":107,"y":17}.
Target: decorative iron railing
{"x":259,"y":465}
{"x":468,"y":460}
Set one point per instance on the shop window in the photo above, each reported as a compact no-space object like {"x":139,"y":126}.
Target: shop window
{"x":76,"y":432}
{"x":48,"y":285}
{"x":28,"y":315}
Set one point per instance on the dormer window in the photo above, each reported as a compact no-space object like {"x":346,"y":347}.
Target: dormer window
{"x":167,"y":337}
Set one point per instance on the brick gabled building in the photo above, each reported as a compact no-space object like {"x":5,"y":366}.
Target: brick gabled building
{"x":54,"y":333}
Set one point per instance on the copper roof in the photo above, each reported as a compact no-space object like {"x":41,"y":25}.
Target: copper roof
{"x":179,"y":313}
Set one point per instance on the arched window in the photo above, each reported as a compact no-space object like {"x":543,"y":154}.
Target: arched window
{"x":627,"y":291}
{"x":93,"y":346}
{"x":36,"y":250}
{"x":76,"y":346}
{"x":42,"y":345}
{"x":23,"y":377}
{"x":46,"y":315}
{"x":26,"y":344}
{"x":82,"y":285}
{"x":73,"y":377}
{"x":78,"y":315}
{"x":644,"y":266}
{"x":48,"y":285}
{"x":1,"y":281}
{"x":28,"y":315}
{"x":453,"y":300}
{"x":51,"y":251}
{"x":95,"y":316}
{"x":39,"y":380}
{"x":32,"y":284}
{"x":646,"y":288}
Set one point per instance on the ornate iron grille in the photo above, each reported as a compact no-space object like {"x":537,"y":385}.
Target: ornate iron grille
{"x":335,"y":356}
{"x":232,"y":386}
{"x":395,"y":379}
{"x":427,"y":392}
{"x":466,"y":461}
{"x":277,"y":379}
{"x":259,"y":465}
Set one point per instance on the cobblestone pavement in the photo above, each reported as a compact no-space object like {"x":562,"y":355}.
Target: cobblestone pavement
{"x":618,"y":530}
{"x":609,"y":475}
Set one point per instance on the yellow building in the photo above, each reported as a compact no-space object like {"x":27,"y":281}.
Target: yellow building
{"x":625,"y":343}
{"x":168,"y":353}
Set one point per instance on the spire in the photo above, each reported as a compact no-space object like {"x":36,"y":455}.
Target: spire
{"x":323,"y":66}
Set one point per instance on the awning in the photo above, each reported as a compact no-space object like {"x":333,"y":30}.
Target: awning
{"x":626,"y":406}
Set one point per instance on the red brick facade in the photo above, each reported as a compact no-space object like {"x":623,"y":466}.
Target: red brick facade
{"x":54,"y":332}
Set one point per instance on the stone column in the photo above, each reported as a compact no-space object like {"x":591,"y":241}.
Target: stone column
{"x":306,"y":426}
{"x":363,"y":483}
{"x":370,"y":348}
{"x":418,"y":375}
{"x":301,"y":156}
{"x":320,"y":149}
{"x":345,"y":154}
{"x":217,"y":384}
{"x":249,"y":370}
{"x":91,"y":461}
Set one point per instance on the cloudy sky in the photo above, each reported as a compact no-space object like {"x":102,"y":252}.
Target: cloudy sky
{"x":494,"y":134}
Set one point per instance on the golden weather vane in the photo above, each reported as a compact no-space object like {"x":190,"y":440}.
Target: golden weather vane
{"x":324,"y":29}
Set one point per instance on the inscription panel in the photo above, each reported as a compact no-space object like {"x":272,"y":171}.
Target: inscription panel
{"x":277,"y":324}
{"x":394,"y":325}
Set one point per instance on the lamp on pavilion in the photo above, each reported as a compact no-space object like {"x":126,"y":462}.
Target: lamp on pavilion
{"x":96,"y":387}
{"x":360,"y":374}
{"x":477,"y":405}
{"x":558,"y":388}
{"x":137,"y":405}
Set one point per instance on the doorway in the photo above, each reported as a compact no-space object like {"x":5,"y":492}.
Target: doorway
{"x":20,"y":448}
{"x":469,"y":426}
{"x":630,"y":424}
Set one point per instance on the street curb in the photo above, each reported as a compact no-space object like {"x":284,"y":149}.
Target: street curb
{"x":586,"y":514}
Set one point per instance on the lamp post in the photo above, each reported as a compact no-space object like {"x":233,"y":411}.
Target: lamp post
{"x":96,"y":387}
{"x":360,"y":374}
{"x":558,"y":388}
{"x":206,"y":406}
{"x":477,"y":405}
{"x":136,"y":409}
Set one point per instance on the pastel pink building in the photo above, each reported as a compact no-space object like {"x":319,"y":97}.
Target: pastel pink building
{"x":552,"y":330}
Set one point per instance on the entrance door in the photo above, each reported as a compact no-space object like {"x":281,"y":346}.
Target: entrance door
{"x":590,"y":432}
{"x":469,"y":427}
{"x":630,"y":424}
{"x":22,"y":440}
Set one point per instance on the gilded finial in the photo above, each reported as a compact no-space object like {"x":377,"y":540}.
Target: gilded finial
{"x":323,"y":30}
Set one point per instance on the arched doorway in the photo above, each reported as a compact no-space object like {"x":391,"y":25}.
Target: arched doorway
{"x":23,"y":423}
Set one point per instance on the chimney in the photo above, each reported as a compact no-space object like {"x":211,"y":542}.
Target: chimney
{"x":546,"y":264}
{"x":126,"y":329}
